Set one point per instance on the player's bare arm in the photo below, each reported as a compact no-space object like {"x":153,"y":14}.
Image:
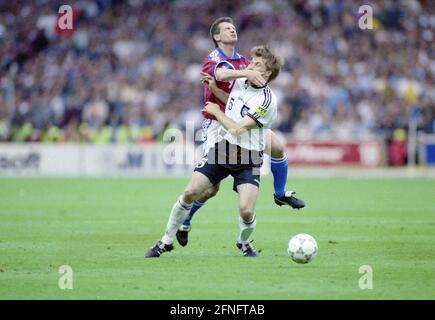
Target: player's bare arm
{"x":211,"y":83}
{"x":234,"y":128}
{"x":255,"y":77}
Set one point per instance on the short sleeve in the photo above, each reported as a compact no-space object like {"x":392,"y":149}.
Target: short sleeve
{"x":208,"y":66}
{"x":222,"y":64}
{"x":263,"y":110}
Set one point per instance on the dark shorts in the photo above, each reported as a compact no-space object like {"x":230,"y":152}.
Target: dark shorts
{"x":216,"y":171}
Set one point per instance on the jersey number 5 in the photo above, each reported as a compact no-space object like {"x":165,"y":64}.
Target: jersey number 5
{"x":230,"y":105}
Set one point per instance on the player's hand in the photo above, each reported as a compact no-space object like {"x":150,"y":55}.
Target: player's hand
{"x":211,"y":108}
{"x":209,"y":80}
{"x":255,"y":78}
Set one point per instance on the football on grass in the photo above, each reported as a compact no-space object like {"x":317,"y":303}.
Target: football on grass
{"x":302,"y":248}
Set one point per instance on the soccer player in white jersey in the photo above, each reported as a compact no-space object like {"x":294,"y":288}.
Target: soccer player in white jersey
{"x":239,"y":152}
{"x":223,"y":65}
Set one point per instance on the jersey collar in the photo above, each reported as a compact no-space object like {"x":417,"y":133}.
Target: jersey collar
{"x":254,"y":86}
{"x":235,"y":57}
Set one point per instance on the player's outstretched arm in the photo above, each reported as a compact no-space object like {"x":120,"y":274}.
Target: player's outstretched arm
{"x":235,"y":128}
{"x":211,"y":83}
{"x":255,"y":77}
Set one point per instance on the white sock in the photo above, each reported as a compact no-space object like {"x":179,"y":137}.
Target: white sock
{"x":246,"y":230}
{"x":179,"y":213}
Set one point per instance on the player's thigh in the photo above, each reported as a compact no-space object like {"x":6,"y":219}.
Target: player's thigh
{"x":210,"y":192}
{"x":197,"y":185}
{"x":214,"y":173}
{"x":247,"y":198}
{"x":274,"y":145}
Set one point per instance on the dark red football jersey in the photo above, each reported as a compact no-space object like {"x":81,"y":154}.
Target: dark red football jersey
{"x":218,"y":59}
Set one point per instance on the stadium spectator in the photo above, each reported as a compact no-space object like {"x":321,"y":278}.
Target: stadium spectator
{"x":130,"y":69}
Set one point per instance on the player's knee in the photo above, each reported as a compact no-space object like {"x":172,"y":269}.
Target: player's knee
{"x":246,"y":213}
{"x":190,"y":194}
{"x":277,"y":150}
{"x":210,"y":193}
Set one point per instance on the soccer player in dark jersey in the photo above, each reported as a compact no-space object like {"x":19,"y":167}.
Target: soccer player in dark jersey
{"x":225,"y":65}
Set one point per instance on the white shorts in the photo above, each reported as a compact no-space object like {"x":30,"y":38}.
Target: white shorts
{"x":210,"y":134}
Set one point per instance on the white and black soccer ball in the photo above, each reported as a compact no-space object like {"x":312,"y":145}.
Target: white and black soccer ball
{"x":302,"y":248}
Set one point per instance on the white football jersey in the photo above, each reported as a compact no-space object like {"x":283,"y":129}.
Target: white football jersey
{"x":259,"y":104}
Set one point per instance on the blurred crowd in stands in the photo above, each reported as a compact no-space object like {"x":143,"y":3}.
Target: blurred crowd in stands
{"x":130,"y":69}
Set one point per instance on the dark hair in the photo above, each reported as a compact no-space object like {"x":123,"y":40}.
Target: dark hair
{"x":214,"y":29}
{"x":272,"y":61}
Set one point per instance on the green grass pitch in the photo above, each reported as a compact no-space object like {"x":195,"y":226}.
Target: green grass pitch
{"x":102,"y":227}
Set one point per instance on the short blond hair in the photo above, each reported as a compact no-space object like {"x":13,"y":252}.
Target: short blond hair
{"x":272,"y":61}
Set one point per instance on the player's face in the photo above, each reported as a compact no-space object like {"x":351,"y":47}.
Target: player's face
{"x":227,"y":33}
{"x":258,"y":64}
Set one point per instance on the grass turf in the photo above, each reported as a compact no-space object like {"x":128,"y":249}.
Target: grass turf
{"x":102,"y":227}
